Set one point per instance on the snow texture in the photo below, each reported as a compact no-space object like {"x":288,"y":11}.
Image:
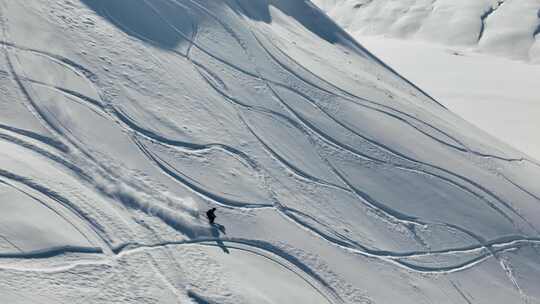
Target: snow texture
{"x":507,"y":28}
{"x":336,"y":180}
{"x":479,"y":58}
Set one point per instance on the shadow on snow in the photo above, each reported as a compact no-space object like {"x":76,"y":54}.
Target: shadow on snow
{"x":163,"y":23}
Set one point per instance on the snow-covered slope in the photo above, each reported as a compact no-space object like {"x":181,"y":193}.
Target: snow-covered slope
{"x":456,"y":50}
{"x":497,"y":94}
{"x":504,"y":27}
{"x":336,"y":180}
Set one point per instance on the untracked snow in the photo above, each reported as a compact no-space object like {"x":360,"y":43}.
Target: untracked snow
{"x":335,"y":179}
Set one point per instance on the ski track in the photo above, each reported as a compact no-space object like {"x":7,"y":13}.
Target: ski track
{"x":392,"y":258}
{"x":351,"y":98}
{"x":76,"y":211}
{"x":48,"y":155}
{"x":407,"y":158}
{"x":498,"y":246}
{"x":185,"y":180}
{"x":390,"y":150}
{"x":361,"y":101}
{"x":460,"y":292}
{"x":520,"y":187}
{"x":290,"y":167}
{"x":46,"y":140}
{"x":50,"y":252}
{"x":508,"y":243}
{"x":61,"y":213}
{"x":263,"y":249}
{"x":276,"y":155}
{"x":8,"y":241}
{"x":154,"y":136}
{"x":393,"y":152}
{"x":505,"y":204}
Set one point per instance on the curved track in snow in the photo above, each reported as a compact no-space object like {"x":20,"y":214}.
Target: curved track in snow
{"x":127,"y":143}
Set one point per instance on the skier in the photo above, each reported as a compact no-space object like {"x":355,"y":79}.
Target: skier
{"x":211,"y":215}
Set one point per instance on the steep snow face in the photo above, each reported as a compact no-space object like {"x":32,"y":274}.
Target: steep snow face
{"x":336,"y":180}
{"x":508,"y":28}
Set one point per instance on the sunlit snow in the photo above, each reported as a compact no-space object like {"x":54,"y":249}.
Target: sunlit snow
{"x":335,"y":179}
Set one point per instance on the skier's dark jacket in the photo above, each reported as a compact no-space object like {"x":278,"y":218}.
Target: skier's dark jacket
{"x":211,"y":216}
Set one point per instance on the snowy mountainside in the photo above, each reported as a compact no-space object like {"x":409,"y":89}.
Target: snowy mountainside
{"x":507,"y":28}
{"x":336,"y":180}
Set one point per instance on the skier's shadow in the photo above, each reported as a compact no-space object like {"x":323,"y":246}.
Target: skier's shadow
{"x":216,"y":229}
